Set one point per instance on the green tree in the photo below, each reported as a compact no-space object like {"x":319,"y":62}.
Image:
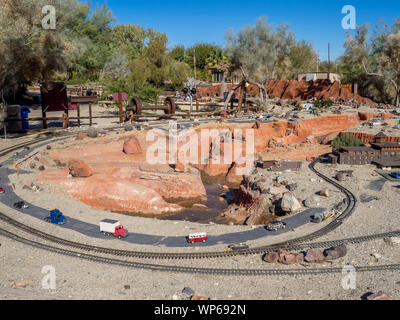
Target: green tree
{"x":28,"y":52}
{"x":346,"y":140}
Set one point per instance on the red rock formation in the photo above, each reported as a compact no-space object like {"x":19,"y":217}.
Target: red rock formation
{"x":79,"y":169}
{"x":132,"y":146}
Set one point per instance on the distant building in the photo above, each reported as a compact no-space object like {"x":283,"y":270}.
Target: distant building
{"x":319,"y":76}
{"x":383,"y":153}
{"x":221,"y":74}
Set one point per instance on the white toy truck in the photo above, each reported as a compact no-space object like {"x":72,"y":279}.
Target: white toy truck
{"x":113,"y":228}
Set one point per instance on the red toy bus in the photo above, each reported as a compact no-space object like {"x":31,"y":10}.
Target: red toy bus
{"x":197,"y":237}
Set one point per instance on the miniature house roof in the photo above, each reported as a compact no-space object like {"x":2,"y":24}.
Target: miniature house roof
{"x":381,"y":135}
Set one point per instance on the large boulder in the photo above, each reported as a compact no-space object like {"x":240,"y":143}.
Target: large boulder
{"x":132,"y":146}
{"x":289,"y":203}
{"x":79,"y":169}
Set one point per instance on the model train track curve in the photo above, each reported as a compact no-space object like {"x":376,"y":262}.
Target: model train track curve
{"x":294,"y":244}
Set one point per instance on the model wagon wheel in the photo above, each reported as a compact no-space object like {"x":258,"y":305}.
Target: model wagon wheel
{"x":169,"y":103}
{"x":135,"y":106}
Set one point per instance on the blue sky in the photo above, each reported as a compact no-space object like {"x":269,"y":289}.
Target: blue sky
{"x":189,"y":22}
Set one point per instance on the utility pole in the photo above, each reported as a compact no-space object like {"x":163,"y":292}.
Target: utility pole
{"x":329,"y":61}
{"x":194,"y":64}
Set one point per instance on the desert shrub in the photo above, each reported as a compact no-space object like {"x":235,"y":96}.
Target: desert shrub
{"x":346,"y":140}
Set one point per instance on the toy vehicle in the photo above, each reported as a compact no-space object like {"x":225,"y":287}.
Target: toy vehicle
{"x":235,"y":247}
{"x":1,"y":190}
{"x":317,"y":218}
{"x":56,"y":217}
{"x":21,"y":205}
{"x":197,"y":237}
{"x":113,"y":228}
{"x":376,"y":122}
{"x":395,"y":175}
{"x":322,"y":216}
{"x":276,"y":225}
{"x":329,"y":216}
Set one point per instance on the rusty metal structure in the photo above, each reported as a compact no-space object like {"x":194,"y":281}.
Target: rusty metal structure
{"x":135,"y":108}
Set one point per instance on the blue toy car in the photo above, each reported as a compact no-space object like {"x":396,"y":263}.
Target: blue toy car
{"x":395,"y":175}
{"x":56,"y":217}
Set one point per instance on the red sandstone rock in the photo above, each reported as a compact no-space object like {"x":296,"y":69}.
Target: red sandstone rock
{"x":378,"y":296}
{"x":80,"y":136}
{"x":271,"y":257}
{"x":132,"y":146}
{"x":79,"y":169}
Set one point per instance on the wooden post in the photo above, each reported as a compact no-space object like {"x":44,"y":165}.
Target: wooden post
{"x":240,"y":99}
{"x":44,"y":119}
{"x":245,"y":100}
{"x":121,"y":120}
{"x":79,"y":113}
{"x":65,"y":120}
{"x":90,"y":114}
{"x":197,"y":106}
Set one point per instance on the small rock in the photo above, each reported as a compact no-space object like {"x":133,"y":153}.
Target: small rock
{"x":271,"y":257}
{"x":287,"y":258}
{"x":127,"y":287}
{"x":175,"y":297}
{"x":128,"y":126}
{"x":378,"y":296}
{"x":48,"y":147}
{"x":324,"y":193}
{"x":199,"y":206}
{"x":132,"y":146}
{"x":314,"y":256}
{"x":22,"y":284}
{"x":92,"y":132}
{"x":340,"y":176}
{"x":32,"y":165}
{"x":282,"y":180}
{"x":311,"y":202}
{"x":292,"y":187}
{"x":80,"y":136}
{"x":42,"y":168}
{"x":277,"y":191}
{"x":199,"y":298}
{"x":225,"y":188}
{"x":335,"y":252}
{"x":188,"y":291}
{"x":377,"y":256}
{"x":79,"y":168}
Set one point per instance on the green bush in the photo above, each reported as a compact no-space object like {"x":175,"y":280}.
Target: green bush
{"x":346,"y":140}
{"x":320,"y":104}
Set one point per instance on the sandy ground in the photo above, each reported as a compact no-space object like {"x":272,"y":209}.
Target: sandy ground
{"x":81,"y":279}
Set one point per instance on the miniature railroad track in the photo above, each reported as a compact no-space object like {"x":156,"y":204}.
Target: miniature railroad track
{"x":294,"y":244}
{"x":194,"y":270}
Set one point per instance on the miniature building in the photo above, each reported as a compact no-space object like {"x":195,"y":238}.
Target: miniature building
{"x":221,"y":74}
{"x":319,"y":76}
{"x":383,"y":153}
